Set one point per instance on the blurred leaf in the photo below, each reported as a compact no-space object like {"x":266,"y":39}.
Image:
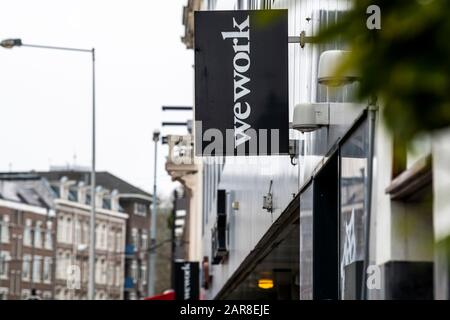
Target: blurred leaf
{"x":406,"y":63}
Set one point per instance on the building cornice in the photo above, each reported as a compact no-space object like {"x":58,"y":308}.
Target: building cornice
{"x":134,"y":196}
{"x":23,"y":207}
{"x":88,"y":207}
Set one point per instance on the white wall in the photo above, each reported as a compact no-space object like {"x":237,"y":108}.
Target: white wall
{"x":246,"y":182}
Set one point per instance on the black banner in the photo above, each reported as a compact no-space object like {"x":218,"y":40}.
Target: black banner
{"x":241,"y":82}
{"x":187,"y":282}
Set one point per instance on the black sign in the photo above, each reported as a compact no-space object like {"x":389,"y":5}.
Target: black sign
{"x":187,"y":282}
{"x":241,"y":82}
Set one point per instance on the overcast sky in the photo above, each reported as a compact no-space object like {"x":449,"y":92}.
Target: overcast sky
{"x":45,"y":104}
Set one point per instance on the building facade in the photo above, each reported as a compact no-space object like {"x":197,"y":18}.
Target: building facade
{"x":27,"y":239}
{"x":344,"y":209}
{"x":72,"y":243}
{"x":45,"y":236}
{"x":119,"y":202}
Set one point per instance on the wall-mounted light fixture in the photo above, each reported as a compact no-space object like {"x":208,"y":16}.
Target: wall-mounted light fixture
{"x":310,"y":116}
{"x":265,"y":284}
{"x":329,"y":63}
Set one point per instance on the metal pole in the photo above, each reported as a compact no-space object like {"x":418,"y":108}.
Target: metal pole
{"x":9,"y":43}
{"x":152,"y":256}
{"x":55,"y":48}
{"x":372,"y":111}
{"x":174,"y":239}
{"x":91,"y":285}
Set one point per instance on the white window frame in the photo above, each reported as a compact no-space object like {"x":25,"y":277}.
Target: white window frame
{"x":118,"y":245}
{"x":60,"y":227}
{"x":69,"y":231}
{"x":144,"y":273}
{"x":111,"y":239}
{"x":47,"y":270}
{"x":144,"y":240}
{"x":118,"y":275}
{"x":37,"y":269}
{"x":135,"y":238}
{"x":4,"y":229}
{"x":27,"y":235}
{"x":48,"y":241}
{"x":134,"y":270}
{"x":140,"y":209}
{"x":5,"y":258}
{"x":38,"y":234}
{"x":26,"y":267}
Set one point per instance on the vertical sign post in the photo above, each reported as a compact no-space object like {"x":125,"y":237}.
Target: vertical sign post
{"x":187,"y":281}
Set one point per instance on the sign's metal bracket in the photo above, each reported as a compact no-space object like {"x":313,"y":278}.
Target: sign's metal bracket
{"x":302,"y":39}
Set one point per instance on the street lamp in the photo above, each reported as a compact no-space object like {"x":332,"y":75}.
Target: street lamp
{"x":152,"y":256}
{"x":9,"y":44}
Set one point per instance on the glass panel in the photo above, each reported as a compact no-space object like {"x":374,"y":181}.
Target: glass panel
{"x":306,"y":253}
{"x":352,"y":212}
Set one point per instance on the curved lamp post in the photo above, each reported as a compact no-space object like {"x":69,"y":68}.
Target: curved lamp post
{"x":11,"y":43}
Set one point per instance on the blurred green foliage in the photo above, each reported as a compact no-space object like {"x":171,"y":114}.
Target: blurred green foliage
{"x":406,"y":63}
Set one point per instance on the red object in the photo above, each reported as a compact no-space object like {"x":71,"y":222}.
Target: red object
{"x":167,"y":295}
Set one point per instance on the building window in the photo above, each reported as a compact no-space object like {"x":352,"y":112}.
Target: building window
{"x":140,"y":209}
{"x":4,"y":263}
{"x":100,"y":231}
{"x":103,"y":271}
{"x":26,"y":265}
{"x":134,"y":238}
{"x":306,"y":245}
{"x":119,"y":246}
{"x":97,"y":271}
{"x":77,"y":231}
{"x":38,"y":235}
{"x":144,"y":240}
{"x":143,"y":273}
{"x":5,"y":229}
{"x":67,"y":264}
{"x":85,"y":233}
{"x":60,"y":265}
{"x":37,"y":261}
{"x":68,"y":231}
{"x":118,"y":276}
{"x":60,"y":229}
{"x":103,"y":236}
{"x":47,"y":277}
{"x":110,"y":274}
{"x":353,"y":183}
{"x":27,"y":233}
{"x":85,"y":271}
{"x":111,"y":238}
{"x":48,"y":236}
{"x":100,"y":271}
{"x":134,"y":271}
{"x":3,"y":293}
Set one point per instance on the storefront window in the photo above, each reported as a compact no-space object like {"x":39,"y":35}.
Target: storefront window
{"x":353,"y":159}
{"x":306,"y":249}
